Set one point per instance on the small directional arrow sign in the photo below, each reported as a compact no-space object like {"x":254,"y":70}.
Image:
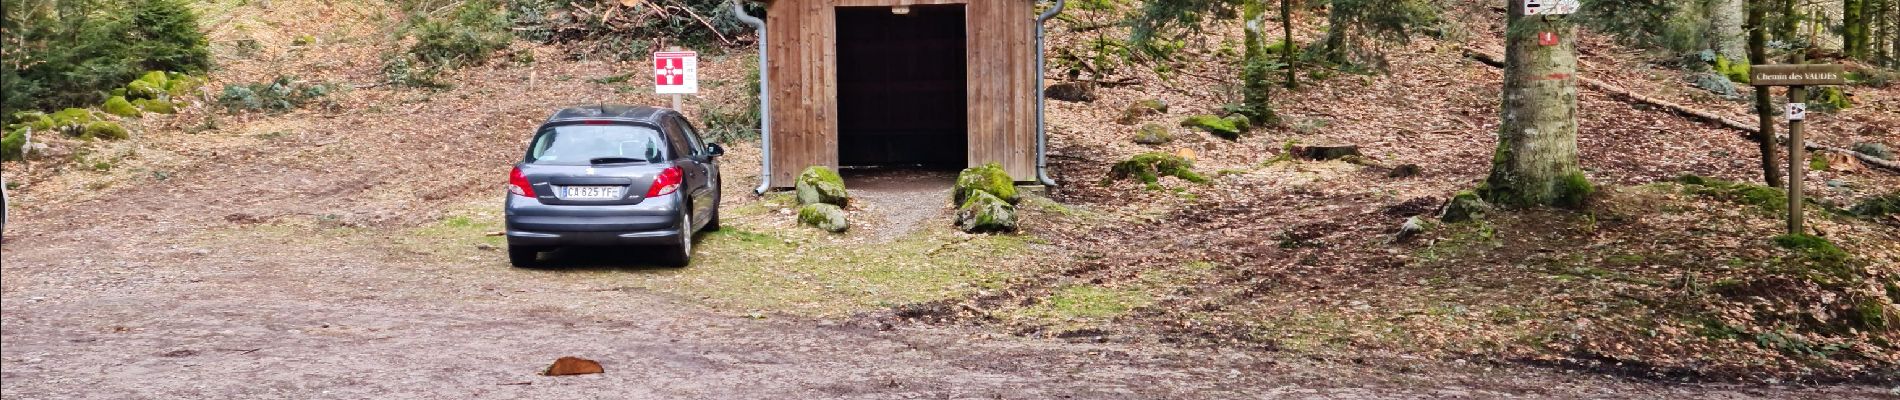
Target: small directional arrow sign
{"x":1797,"y":111}
{"x":1551,"y":7}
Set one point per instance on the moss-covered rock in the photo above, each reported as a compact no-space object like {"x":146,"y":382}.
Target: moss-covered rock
{"x":990,"y":178}
{"x":12,"y":143}
{"x":120,"y":107}
{"x":823,"y":216}
{"x":40,"y":122}
{"x":1878,"y":206}
{"x":1221,"y":127}
{"x":1142,"y":109}
{"x":106,"y":130}
{"x":821,"y":185}
{"x":984,"y":212}
{"x":72,"y":121}
{"x":1464,"y":206}
{"x":144,"y":88}
{"x":1240,"y":121}
{"x":155,"y":106}
{"x":1148,"y":168}
{"x":180,"y":86}
{"x":1153,"y":135}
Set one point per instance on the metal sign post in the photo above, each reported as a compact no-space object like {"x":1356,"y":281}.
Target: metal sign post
{"x":1797,"y":77}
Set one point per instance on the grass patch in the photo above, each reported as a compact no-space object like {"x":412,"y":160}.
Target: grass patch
{"x":1768,"y":199}
{"x":1088,"y":302}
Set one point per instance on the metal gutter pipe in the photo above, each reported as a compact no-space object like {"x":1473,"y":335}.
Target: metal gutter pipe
{"x":1042,"y":136}
{"x":765,"y":101}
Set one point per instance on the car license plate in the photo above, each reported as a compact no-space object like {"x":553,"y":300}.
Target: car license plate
{"x":593,"y":192}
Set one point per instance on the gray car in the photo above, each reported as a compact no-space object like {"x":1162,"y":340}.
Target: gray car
{"x":613,"y":176}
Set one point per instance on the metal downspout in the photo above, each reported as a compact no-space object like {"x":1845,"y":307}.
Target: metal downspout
{"x":765,"y":101}
{"x":1042,"y":136}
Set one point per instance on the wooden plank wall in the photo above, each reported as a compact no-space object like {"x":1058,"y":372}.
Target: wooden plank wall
{"x":802,"y":35}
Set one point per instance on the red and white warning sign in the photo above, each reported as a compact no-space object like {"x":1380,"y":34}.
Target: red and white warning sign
{"x":676,"y":72}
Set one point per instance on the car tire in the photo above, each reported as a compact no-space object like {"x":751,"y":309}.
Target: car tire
{"x":525,"y":256}
{"x":712,"y":222}
{"x":683,"y":251}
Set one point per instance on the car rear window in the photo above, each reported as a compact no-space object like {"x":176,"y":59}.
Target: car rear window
{"x":580,"y":144}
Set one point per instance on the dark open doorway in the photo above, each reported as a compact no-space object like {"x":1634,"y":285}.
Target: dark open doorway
{"x":902,"y":92}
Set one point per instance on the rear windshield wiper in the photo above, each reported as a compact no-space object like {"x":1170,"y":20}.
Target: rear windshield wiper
{"x":615,"y":160}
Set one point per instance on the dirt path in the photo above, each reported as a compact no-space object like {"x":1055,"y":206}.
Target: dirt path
{"x":899,"y":201}
{"x":179,"y":303}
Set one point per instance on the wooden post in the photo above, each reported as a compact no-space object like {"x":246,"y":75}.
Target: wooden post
{"x":1797,"y":162}
{"x":1797,"y":157}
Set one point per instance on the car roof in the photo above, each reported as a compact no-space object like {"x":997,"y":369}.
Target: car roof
{"x":647,"y":114}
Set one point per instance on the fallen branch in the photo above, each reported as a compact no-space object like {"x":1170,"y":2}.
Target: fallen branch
{"x":1750,"y":130}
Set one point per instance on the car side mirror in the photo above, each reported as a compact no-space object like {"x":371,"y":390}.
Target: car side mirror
{"x":715,"y":150}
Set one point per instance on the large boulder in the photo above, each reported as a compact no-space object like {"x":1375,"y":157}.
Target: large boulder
{"x":989,"y":178}
{"x":823,"y":216}
{"x":983,"y":213}
{"x":820,"y":185}
{"x":1153,"y":135}
{"x":1071,"y":91}
{"x":1142,"y":109}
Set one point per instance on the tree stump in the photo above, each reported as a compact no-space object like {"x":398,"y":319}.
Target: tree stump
{"x":1326,"y":152}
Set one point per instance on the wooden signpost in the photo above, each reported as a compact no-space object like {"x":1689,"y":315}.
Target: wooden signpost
{"x":1797,"y":77}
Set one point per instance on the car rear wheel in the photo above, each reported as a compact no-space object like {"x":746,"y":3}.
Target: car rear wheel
{"x":683,"y":251}
{"x":525,"y":256}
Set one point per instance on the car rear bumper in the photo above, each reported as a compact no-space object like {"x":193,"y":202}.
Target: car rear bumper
{"x":531,"y":223}
{"x":532,"y":238}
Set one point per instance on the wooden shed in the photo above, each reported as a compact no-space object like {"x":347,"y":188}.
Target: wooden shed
{"x":906,"y":83}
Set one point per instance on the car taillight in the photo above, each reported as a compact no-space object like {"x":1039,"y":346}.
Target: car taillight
{"x":667,"y":182}
{"x":518,"y":184}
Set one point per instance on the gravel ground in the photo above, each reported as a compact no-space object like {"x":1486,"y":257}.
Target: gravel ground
{"x":141,"y":295}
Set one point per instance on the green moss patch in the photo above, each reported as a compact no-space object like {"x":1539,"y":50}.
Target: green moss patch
{"x":1148,"y":168}
{"x":1767,"y":199}
{"x":106,"y":130}
{"x":1225,"y":128}
{"x":990,"y":178}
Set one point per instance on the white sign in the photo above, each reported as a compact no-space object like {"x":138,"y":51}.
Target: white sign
{"x":1797,"y":111}
{"x":676,"y":72}
{"x":1550,"y":7}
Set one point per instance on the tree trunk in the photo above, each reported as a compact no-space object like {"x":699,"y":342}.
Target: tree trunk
{"x":1286,"y":36}
{"x":1893,"y":33}
{"x":1725,"y":29}
{"x":1854,"y":29}
{"x":1256,"y":72}
{"x":1335,"y":34}
{"x":1536,"y":160}
{"x":1786,"y":21}
{"x":1764,"y":103}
